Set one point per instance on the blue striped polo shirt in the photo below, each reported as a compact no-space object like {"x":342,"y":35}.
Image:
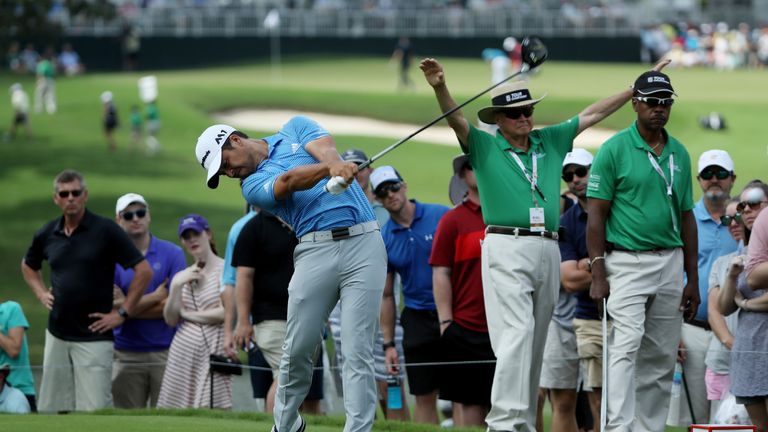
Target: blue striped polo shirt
{"x":308,"y":210}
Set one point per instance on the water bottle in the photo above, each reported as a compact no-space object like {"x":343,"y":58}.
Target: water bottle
{"x":677,"y":380}
{"x":394,"y":394}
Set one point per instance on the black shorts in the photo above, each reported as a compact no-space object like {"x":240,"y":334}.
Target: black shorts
{"x":261,"y":379}
{"x":110,"y":124}
{"x":19,"y":118}
{"x":421,"y":344}
{"x":467,"y":383}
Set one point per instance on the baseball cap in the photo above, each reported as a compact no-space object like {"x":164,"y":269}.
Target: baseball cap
{"x":384,"y":174}
{"x":130,"y":198}
{"x":652,"y":82}
{"x":106,"y":97}
{"x":457,"y":187}
{"x":193,"y":222}
{"x":720,"y":158}
{"x":354,"y":155}
{"x":5,"y":368}
{"x":578,"y":156}
{"x":208,"y":151}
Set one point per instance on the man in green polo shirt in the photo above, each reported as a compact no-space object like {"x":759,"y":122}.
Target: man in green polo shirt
{"x":641,"y":235}
{"x":518,"y":175}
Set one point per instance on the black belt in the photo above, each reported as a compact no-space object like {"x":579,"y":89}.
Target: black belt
{"x":495,"y":229}
{"x":610,"y":247}
{"x":700,"y":324}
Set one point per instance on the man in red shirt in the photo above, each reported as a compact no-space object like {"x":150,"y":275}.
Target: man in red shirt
{"x":458,"y":291}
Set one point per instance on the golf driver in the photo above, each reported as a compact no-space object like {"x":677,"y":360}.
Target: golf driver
{"x":534,"y":53}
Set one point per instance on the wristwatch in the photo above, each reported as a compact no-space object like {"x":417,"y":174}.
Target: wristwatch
{"x":122,"y":312}
{"x":390,"y":344}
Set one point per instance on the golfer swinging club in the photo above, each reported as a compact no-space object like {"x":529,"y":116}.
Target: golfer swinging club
{"x":340,"y":254}
{"x":518,"y":174}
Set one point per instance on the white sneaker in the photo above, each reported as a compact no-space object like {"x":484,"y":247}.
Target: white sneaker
{"x":302,"y":426}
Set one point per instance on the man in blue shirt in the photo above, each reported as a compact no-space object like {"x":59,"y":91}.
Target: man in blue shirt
{"x":408,"y":236}
{"x":340,"y":254}
{"x":716,"y":177}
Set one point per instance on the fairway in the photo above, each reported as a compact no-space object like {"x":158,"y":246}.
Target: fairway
{"x":173,"y":182}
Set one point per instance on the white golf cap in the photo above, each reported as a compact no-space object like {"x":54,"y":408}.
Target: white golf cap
{"x":208,"y":151}
{"x":509,"y":44}
{"x":14,"y":87}
{"x":720,"y":158}
{"x":106,"y":97}
{"x":384,"y":174}
{"x":578,"y":156}
{"x":130,"y":198}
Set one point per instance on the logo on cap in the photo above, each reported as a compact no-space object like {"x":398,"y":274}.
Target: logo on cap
{"x":205,"y":156}
{"x":220,"y":136}
{"x":511,"y":97}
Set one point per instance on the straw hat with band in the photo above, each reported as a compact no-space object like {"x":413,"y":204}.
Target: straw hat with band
{"x":512,"y":95}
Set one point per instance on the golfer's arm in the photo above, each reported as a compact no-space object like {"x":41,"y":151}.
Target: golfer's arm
{"x":300,"y":178}
{"x":715,"y":318}
{"x":598,"y":213}
{"x":323,"y":149}
{"x":690,"y":238}
{"x":441,"y":289}
{"x":758,"y":277}
{"x":244,"y":293}
{"x":572,"y":278}
{"x":601,"y":109}
{"x":456,"y":119}
{"x":388,"y":309}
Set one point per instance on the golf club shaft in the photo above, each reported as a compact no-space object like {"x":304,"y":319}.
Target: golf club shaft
{"x":378,"y":156}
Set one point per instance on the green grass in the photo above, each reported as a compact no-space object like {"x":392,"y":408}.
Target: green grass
{"x":173,"y":182}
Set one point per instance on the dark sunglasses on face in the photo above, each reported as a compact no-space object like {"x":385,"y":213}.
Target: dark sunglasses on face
{"x":515,"y":113}
{"x":654,"y":101}
{"x":754,"y":205}
{"x":138,"y":213}
{"x":383,"y":191}
{"x":720,"y":174}
{"x":726,"y":219}
{"x":579,"y":171}
{"x":189,"y":234}
{"x":75,"y":193}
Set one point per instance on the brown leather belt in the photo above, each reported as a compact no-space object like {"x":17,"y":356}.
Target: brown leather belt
{"x":525,"y":232}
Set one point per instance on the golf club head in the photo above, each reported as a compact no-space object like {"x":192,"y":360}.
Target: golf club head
{"x":534,"y":52}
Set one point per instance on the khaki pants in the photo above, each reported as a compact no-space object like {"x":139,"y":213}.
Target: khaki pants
{"x":521,"y":281}
{"x":76,"y":375}
{"x":269,"y":336}
{"x":644,"y":304}
{"x":136,"y":378}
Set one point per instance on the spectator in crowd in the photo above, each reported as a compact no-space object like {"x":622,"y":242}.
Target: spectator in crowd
{"x":403,"y":55}
{"x":45,"y":85}
{"x":131,"y":43}
{"x":12,"y":400}
{"x":14,"y":350}
{"x":643,"y":174}
{"x":458,"y":291}
{"x":748,"y":362}
{"x":408,"y":237}
{"x":716,"y":176}
{"x":718,"y":357}
{"x":136,"y":127}
{"x":334,"y":320}
{"x":110,"y":121}
{"x":20,"y":104}
{"x":141,"y":343}
{"x":29,"y":58}
{"x":153,"y":127}
{"x":13,"y":58}
{"x":69,"y":61}
{"x":194,"y":307}
{"x":82,"y":250}
{"x":560,"y":370}
{"x":520,"y":256}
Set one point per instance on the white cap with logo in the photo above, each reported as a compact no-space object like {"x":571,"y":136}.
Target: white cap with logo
{"x":578,"y":156}
{"x":208,"y":151}
{"x":720,"y":158}
{"x":384,"y":174}
{"x":130,"y":198}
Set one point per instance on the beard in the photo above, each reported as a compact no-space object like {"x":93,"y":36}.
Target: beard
{"x":716,"y":195}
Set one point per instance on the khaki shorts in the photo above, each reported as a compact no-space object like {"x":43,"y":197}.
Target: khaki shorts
{"x":589,"y":340}
{"x":560,"y":369}
{"x":269,"y":336}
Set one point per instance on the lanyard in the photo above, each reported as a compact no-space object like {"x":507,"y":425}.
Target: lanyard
{"x":532,"y":178}
{"x":669,"y":183}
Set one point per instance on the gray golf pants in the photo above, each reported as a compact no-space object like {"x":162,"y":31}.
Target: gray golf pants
{"x":351,"y":270}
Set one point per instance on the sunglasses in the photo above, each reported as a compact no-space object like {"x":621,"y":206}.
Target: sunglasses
{"x":138,"y":213}
{"x":753,"y":204}
{"x":383,"y":191}
{"x":75,"y":193}
{"x":515,"y":113}
{"x":726,"y":219}
{"x":580,"y":171}
{"x":720,"y":174}
{"x":189,"y":234}
{"x":654,"y":101}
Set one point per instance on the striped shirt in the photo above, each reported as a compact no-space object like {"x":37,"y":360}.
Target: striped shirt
{"x":308,"y":210}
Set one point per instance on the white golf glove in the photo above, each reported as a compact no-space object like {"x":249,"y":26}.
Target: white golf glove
{"x":336,"y":185}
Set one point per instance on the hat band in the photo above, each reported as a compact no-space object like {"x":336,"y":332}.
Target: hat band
{"x":512,"y":97}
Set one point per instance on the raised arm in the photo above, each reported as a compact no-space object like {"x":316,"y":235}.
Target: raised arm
{"x":435,"y":75}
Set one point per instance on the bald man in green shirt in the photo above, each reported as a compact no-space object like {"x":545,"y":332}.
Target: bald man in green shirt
{"x":518,"y":174}
{"x":641,"y":234}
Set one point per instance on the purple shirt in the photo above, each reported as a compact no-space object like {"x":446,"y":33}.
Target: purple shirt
{"x":148,"y":335}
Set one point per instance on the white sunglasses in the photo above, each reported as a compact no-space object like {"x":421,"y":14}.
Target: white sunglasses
{"x":654,"y":101}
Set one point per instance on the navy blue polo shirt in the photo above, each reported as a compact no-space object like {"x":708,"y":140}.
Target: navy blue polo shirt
{"x":573,"y":247}
{"x":408,"y":251}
